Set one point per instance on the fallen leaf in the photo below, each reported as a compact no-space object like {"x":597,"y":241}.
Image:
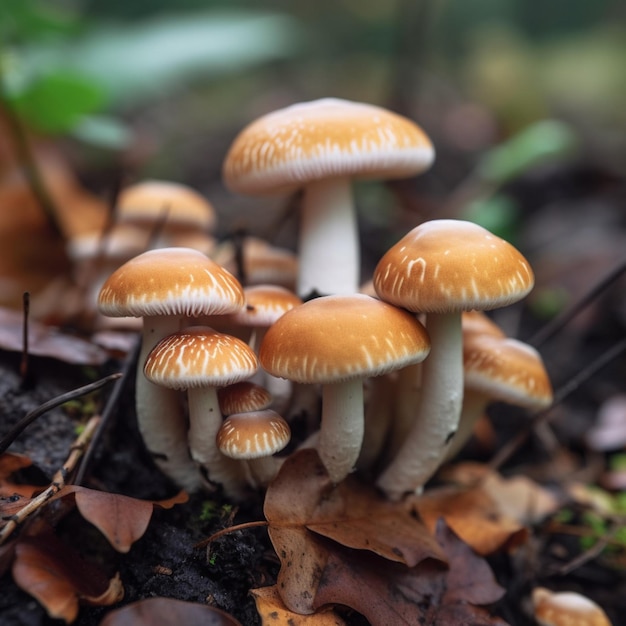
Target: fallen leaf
{"x":47,"y":341}
{"x":273,"y":611}
{"x":121,"y":519}
{"x":472,"y":515}
{"x":386,"y":592}
{"x":9,"y":464}
{"x":168,"y":611}
{"x":302,"y":501}
{"x":57,"y":577}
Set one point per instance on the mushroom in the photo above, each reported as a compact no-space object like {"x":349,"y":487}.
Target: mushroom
{"x":338,"y":341}
{"x":441,"y":268}
{"x":566,"y":608}
{"x":498,"y":369}
{"x":165,"y":286}
{"x":199,"y":360}
{"x":178,"y":209}
{"x":252,"y":438}
{"x":243,"y":397}
{"x":320,"y":147}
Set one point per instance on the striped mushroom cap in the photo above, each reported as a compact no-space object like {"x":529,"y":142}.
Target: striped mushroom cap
{"x":338,"y":338}
{"x":170,"y":281}
{"x":253,"y":435}
{"x":478,"y":322}
{"x":149,"y":201}
{"x":506,"y":370}
{"x":265,"y":304}
{"x":443,"y":266}
{"x":198,"y":356}
{"x":324,"y":138}
{"x":243,"y":397}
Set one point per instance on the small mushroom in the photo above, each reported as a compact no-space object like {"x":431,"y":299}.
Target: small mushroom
{"x":252,"y":438}
{"x":566,"y":608}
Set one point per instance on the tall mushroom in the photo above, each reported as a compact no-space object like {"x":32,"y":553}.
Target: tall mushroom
{"x":165,"y":286}
{"x":441,"y":268}
{"x":337,"y":341}
{"x":320,"y":147}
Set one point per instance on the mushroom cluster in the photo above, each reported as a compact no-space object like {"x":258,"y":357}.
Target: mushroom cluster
{"x":401,"y":374}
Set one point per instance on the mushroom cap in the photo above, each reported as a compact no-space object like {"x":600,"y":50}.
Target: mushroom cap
{"x":149,"y":201}
{"x":566,"y":608}
{"x":243,"y":397}
{"x":170,"y":281}
{"x":253,"y":435}
{"x":442,"y":266}
{"x":478,"y":322}
{"x":265,"y":304}
{"x":337,"y":338}
{"x":198,"y":356}
{"x":325,"y":138}
{"x":506,"y":370}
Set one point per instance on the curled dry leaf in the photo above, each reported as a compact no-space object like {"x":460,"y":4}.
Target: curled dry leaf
{"x":273,"y":611}
{"x":56,"y":575}
{"x":386,"y":592}
{"x":302,"y":504}
{"x":121,"y":519}
{"x":47,"y":341}
{"x":167,"y":611}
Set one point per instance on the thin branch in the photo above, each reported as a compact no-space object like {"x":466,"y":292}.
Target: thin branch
{"x":57,"y":483}
{"x":228,"y":530}
{"x":30,"y":417}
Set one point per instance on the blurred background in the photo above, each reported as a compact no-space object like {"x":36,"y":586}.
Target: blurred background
{"x":525,"y":103}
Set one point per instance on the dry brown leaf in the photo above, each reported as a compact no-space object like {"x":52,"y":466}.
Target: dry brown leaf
{"x":47,"y":341}
{"x":56,"y":575}
{"x":121,"y":519}
{"x":302,"y":500}
{"x":518,"y":497}
{"x":472,"y":515}
{"x":273,"y":611}
{"x":391,"y":593}
{"x":9,"y":464}
{"x":168,"y":611}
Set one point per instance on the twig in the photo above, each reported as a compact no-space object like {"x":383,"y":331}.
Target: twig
{"x":24,"y":362}
{"x":30,"y":417}
{"x":228,"y":530}
{"x":58,"y":481}
{"x":560,"y":321}
{"x":565,"y":390}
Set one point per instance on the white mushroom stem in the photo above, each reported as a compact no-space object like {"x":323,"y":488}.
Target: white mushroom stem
{"x":438,"y":411}
{"x":279,"y":388}
{"x":262,"y":471}
{"x":160,"y":416}
{"x":205,"y":419}
{"x":341,"y":428}
{"x":329,"y":258}
{"x":474,"y":405}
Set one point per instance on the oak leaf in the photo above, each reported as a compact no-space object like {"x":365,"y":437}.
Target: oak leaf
{"x":387,"y":592}
{"x":302,"y":504}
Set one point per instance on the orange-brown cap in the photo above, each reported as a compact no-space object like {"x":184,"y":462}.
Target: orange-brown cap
{"x":265,"y":304}
{"x":243,"y":397}
{"x":337,"y":338}
{"x":253,"y":435}
{"x":198,"y":356}
{"x":170,"y":281}
{"x":477,"y":322}
{"x":149,"y":201}
{"x":446,"y":265}
{"x":321,"y":139}
{"x":506,"y":370}
{"x":566,"y":608}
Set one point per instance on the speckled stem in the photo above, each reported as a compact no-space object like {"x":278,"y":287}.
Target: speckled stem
{"x":437,"y":414}
{"x":341,"y":428}
{"x":474,"y":405}
{"x":328,"y":245}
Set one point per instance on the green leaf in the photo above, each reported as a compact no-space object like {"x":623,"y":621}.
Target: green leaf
{"x":543,"y":141}
{"x":56,"y":101}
